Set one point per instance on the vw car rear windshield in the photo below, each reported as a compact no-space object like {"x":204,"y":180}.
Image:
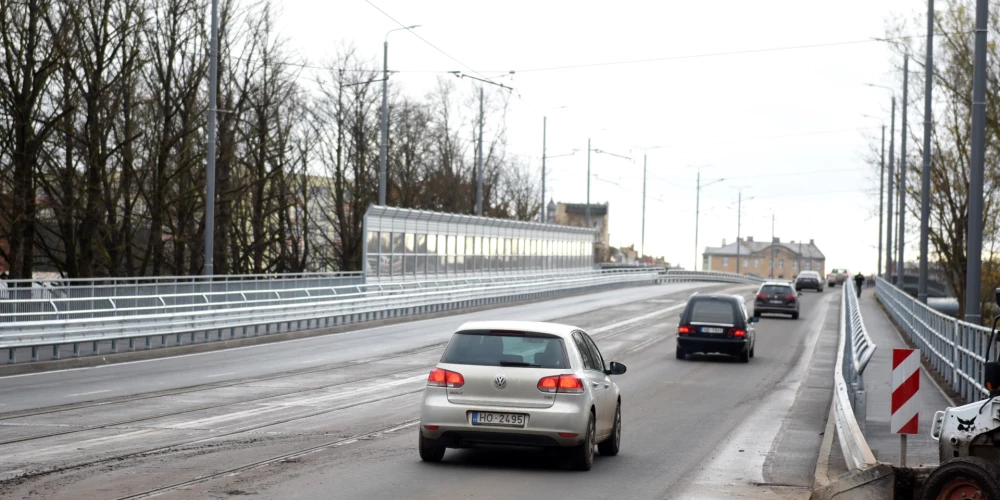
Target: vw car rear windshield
{"x":776,"y":290}
{"x":515,"y":349}
{"x":712,"y":311}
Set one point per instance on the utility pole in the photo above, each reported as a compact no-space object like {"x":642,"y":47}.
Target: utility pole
{"x":384,"y":133}
{"x":773,"y":249}
{"x":881,"y":189}
{"x":925,"y":175}
{"x":890,"y":179}
{"x":642,"y":241}
{"x":739,"y":225}
{"x":545,"y":126}
{"x":901,"y":241}
{"x":479,"y":162}
{"x":587,"y":208}
{"x":975,"y":248}
{"x":697,"y":213}
{"x":213,"y":78}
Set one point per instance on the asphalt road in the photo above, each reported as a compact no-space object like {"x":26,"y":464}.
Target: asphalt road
{"x":335,"y":416}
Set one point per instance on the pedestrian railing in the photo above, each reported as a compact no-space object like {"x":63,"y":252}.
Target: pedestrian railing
{"x":220,"y":315}
{"x":855,"y":349}
{"x":955,"y":349}
{"x":712,"y":276}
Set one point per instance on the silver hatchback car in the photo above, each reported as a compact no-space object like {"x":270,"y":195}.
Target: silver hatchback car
{"x":518,"y":383}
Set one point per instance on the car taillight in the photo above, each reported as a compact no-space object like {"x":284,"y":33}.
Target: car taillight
{"x":790,"y":297}
{"x":561,"y":383}
{"x":737,"y":332}
{"x":683,"y":330}
{"x":761,"y":296}
{"x":445,"y":378}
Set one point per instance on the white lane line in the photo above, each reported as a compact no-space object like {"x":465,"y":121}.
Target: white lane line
{"x":306,"y":362}
{"x":219,"y":375}
{"x":88,"y":393}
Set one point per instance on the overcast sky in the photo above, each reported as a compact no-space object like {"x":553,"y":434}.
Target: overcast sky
{"x":786,"y":126}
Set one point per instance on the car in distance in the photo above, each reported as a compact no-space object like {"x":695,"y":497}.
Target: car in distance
{"x":808,"y":280}
{"x":837,"y":277}
{"x":526,"y":384}
{"x":716,"y":323}
{"x":776,"y":297}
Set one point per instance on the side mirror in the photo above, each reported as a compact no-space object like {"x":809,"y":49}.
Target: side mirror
{"x":754,"y":319}
{"x":616,"y":369}
{"x":799,"y":294}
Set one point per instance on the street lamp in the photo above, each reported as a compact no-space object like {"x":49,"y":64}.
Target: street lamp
{"x":881,"y":187}
{"x":545,"y":124}
{"x":598,"y":151}
{"x":642,"y":242}
{"x":697,"y":211}
{"x":889,"y":179}
{"x":384,"y":137}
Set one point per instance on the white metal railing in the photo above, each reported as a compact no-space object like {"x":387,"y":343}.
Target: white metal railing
{"x":228,"y":315}
{"x":854,"y":350}
{"x":955,"y":349}
{"x":713,"y":276}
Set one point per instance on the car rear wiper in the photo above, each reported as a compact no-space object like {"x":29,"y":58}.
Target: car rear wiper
{"x":518,"y":363}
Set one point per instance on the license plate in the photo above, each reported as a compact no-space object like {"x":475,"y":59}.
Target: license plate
{"x":711,"y":329}
{"x":775,"y":301}
{"x":499,"y":419}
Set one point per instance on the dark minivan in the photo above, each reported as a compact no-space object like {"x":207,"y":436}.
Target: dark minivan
{"x":716,"y":323}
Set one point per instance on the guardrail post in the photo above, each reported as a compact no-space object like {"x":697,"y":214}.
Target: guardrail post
{"x":131,"y":343}
{"x":96,"y":348}
{"x":149,"y":345}
{"x":55,"y":351}
{"x":34,"y":353}
{"x":76,"y":349}
{"x":114,"y":345}
{"x":11,"y":355}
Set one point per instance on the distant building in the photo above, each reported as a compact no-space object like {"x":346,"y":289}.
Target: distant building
{"x":575,"y":214}
{"x":757,"y":257}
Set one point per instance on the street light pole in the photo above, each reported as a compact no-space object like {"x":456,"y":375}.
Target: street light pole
{"x":384,"y":135}
{"x":697,"y":214}
{"x":773,"y":249}
{"x":545,"y":126}
{"x":587,"y":209}
{"x":208,"y":269}
{"x":739,"y":225}
{"x":925,"y":175}
{"x":901,"y":241}
{"x":642,"y":241}
{"x":975,"y":242}
{"x":881,"y":192}
{"x":479,"y":162}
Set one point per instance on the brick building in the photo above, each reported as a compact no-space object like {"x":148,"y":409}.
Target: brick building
{"x":756,"y":258}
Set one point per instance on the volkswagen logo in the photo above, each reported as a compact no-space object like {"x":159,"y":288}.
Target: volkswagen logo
{"x":500,"y":382}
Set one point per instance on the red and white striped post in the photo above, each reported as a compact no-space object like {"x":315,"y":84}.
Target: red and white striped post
{"x":905,"y":384}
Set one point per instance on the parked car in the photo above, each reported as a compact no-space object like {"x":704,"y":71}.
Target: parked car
{"x":837,"y":277}
{"x":776,"y":297}
{"x":518,"y":383}
{"x":716,"y":323}
{"x":808,"y":280}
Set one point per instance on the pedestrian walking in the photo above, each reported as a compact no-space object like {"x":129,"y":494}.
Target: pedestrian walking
{"x":859,"y":280}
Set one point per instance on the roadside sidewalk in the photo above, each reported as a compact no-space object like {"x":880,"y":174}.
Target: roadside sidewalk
{"x":920,"y":448}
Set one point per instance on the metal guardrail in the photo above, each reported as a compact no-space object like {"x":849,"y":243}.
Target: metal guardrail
{"x":955,"y":349}
{"x":712,"y":276}
{"x":855,"y":349}
{"x":61,"y":298}
{"x":228,"y":315}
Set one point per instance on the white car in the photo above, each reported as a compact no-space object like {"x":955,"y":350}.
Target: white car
{"x":518,"y":383}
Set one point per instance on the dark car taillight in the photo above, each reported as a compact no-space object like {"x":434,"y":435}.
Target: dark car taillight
{"x":684,"y":330}
{"x":737,"y":332}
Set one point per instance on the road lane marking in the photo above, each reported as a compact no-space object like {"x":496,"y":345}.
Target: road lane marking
{"x":219,"y":375}
{"x":88,"y":393}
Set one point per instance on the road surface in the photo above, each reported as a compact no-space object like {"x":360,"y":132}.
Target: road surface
{"x":335,"y":416}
